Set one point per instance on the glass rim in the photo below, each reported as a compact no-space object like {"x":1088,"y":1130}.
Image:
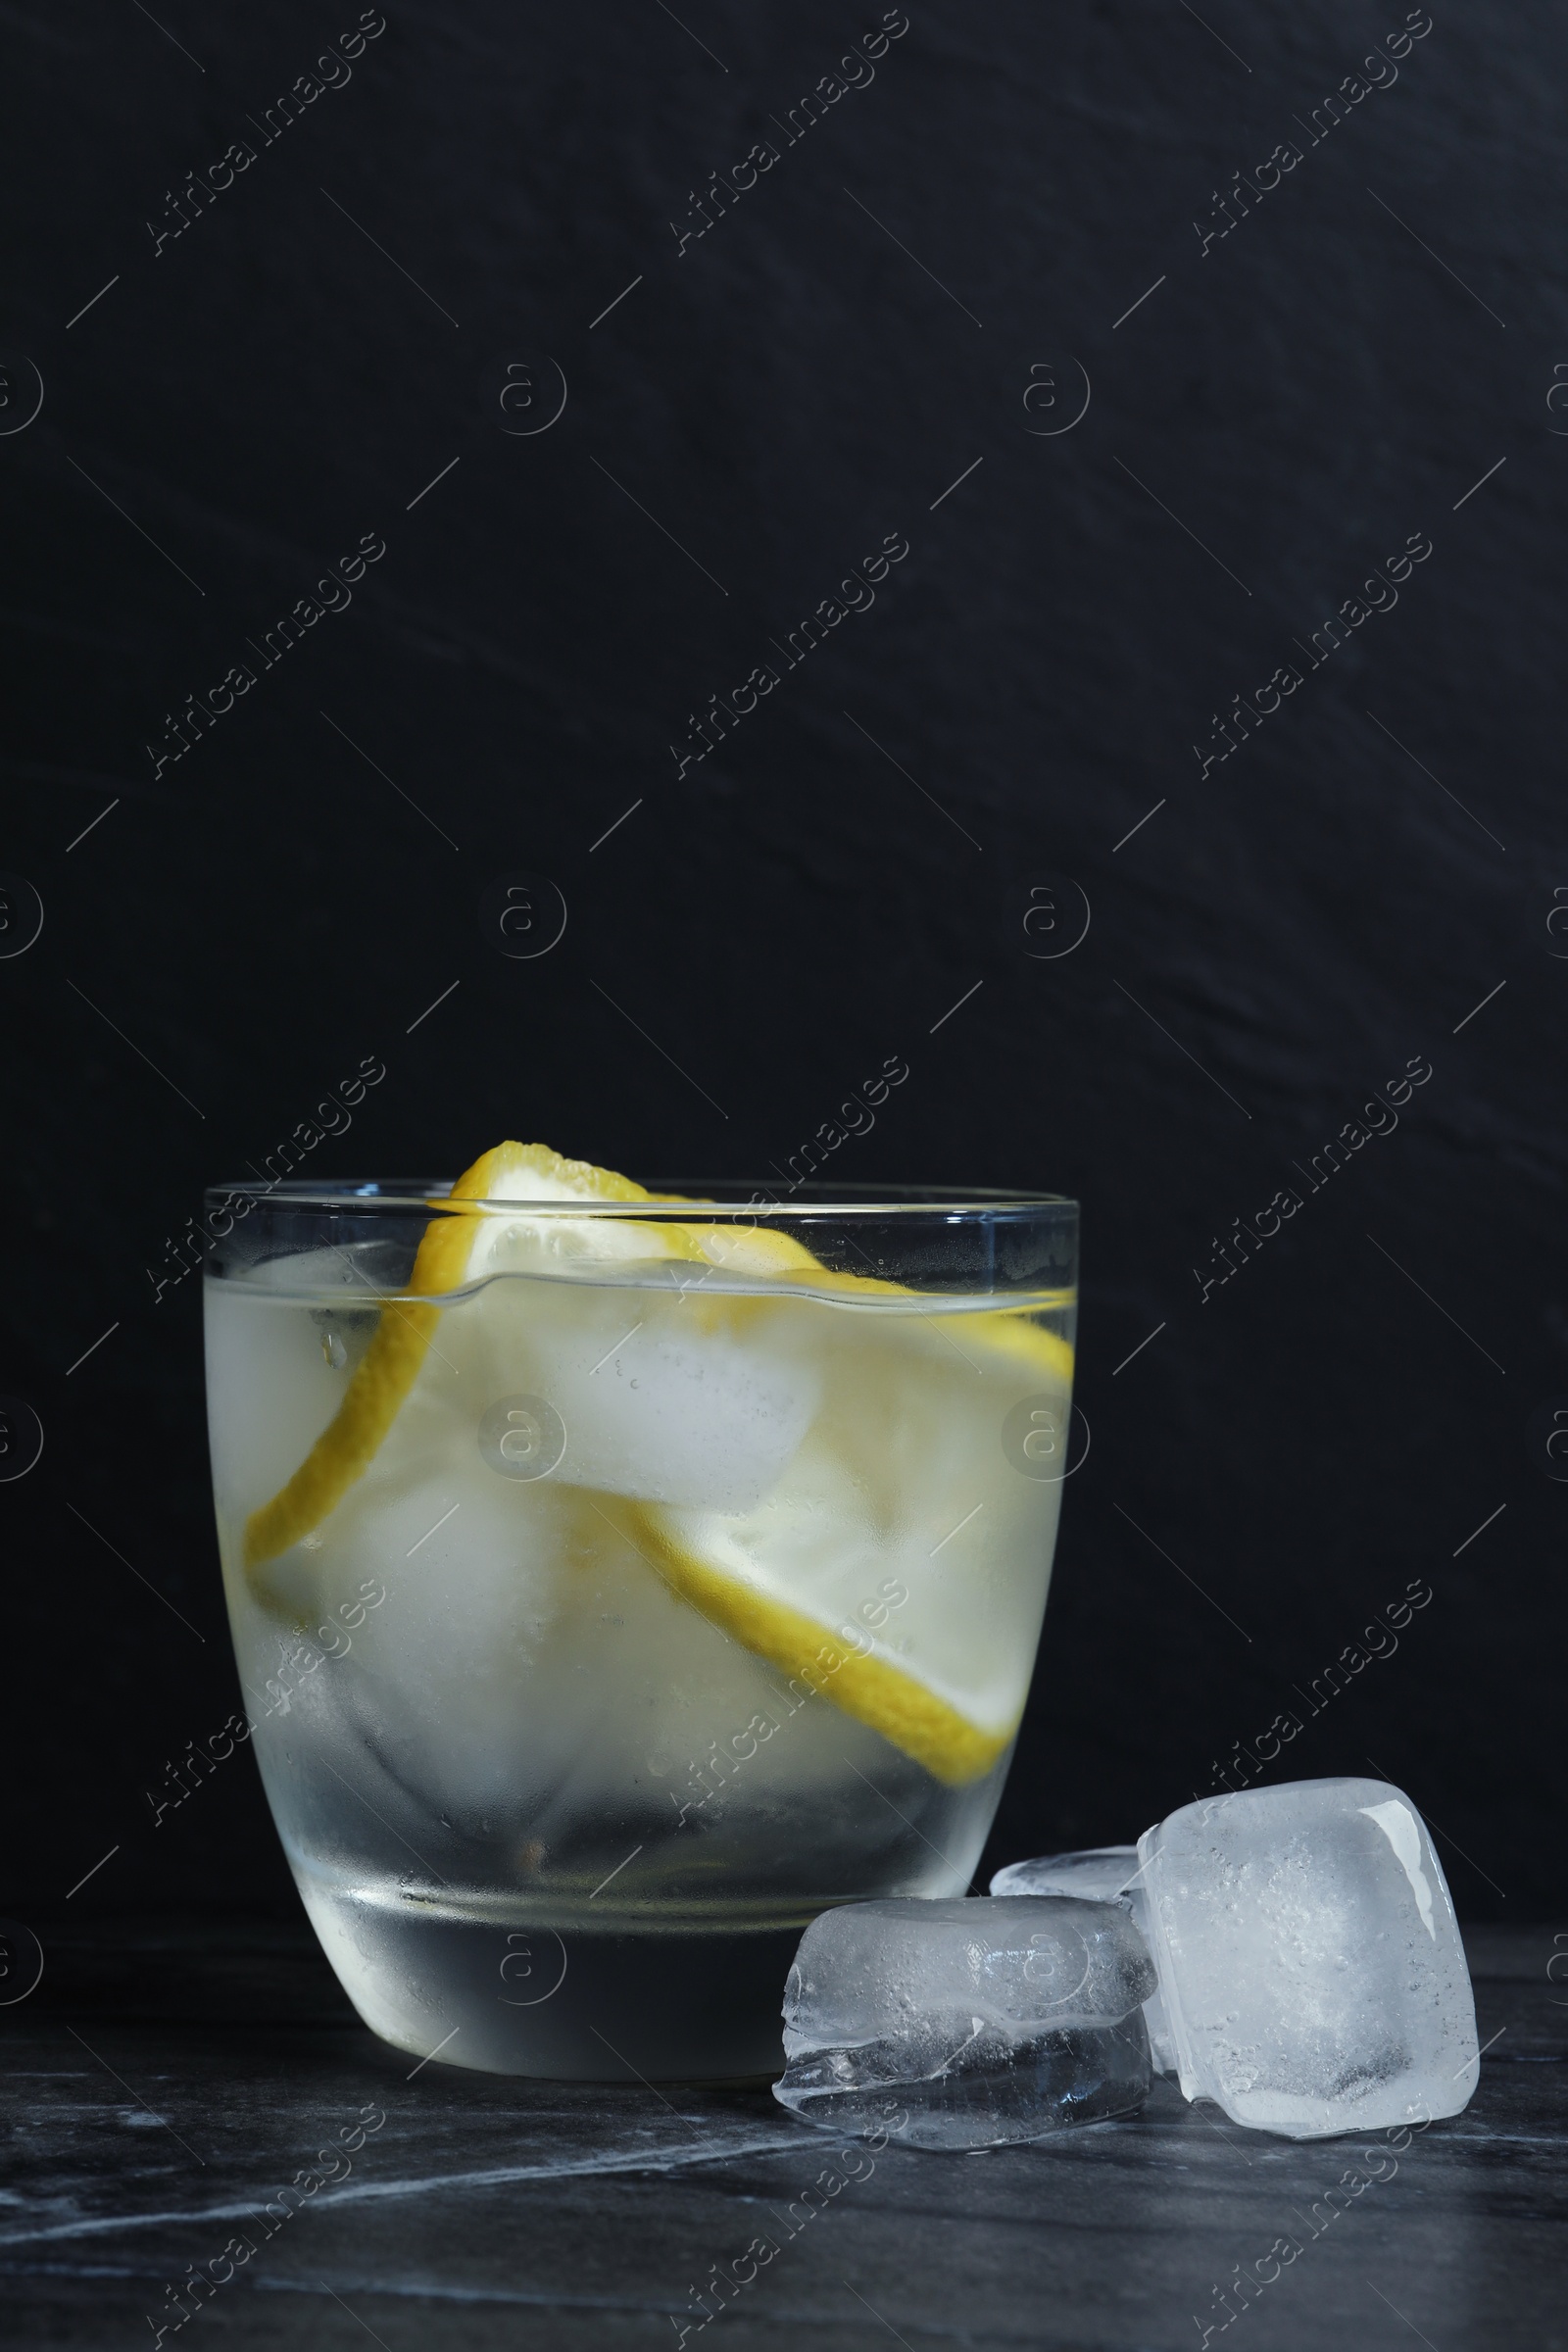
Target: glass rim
{"x":419,"y":1196}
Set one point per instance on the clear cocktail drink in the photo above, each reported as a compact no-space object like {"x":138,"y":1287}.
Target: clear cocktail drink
{"x":615,"y":1587}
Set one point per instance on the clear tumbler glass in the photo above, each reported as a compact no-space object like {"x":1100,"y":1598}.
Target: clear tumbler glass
{"x":606,"y":1614}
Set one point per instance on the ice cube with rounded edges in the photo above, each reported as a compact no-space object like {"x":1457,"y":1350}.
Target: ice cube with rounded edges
{"x":1310,"y":1959}
{"x":670,"y":1396}
{"x":1102,"y":1873}
{"x":966,"y":2024}
{"x":1098,"y":1875}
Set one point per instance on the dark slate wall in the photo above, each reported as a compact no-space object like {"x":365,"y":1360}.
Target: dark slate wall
{"x":892,"y":332}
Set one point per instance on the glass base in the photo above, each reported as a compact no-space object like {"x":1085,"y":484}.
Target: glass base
{"x":606,"y":1998}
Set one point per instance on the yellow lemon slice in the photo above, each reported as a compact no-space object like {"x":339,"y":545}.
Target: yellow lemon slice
{"x":455,"y":1249}
{"x":703,"y":1566}
{"x":894,"y":1566}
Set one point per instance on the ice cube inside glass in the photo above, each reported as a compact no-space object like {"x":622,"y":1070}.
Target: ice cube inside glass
{"x":1309,"y":1958}
{"x":692,"y":1586}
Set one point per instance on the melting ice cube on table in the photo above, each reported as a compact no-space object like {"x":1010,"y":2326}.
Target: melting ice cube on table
{"x":1105,"y":1873}
{"x":1311,"y":1976}
{"x":1097,"y":1877}
{"x":1310,"y":1958}
{"x":966,"y":2024}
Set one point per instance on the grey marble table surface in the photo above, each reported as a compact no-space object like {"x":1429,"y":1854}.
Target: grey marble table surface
{"x":164,"y":2087}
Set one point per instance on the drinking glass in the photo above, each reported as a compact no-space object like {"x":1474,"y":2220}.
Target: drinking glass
{"x":690,"y":1584}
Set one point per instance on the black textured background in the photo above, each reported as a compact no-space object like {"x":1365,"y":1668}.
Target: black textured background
{"x":243,"y":927}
